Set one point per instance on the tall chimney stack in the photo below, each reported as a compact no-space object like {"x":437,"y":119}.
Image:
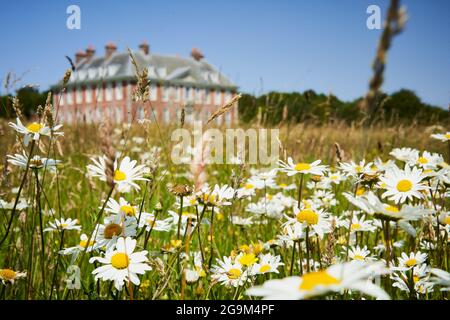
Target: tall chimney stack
{"x":144,"y":47}
{"x":79,"y":56}
{"x":90,"y":51}
{"x":196,"y":54}
{"x":110,"y":48}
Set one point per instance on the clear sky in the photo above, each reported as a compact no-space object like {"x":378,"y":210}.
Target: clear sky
{"x":261,"y":45}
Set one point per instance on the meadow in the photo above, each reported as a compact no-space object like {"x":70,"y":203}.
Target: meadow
{"x":101,"y":212}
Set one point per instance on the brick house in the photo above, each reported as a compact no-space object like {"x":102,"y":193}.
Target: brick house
{"x":101,"y":85}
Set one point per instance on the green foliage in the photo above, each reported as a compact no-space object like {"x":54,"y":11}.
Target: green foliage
{"x":29,"y":99}
{"x":403,"y":106}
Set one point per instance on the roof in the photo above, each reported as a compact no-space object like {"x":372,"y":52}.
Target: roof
{"x":161,"y":69}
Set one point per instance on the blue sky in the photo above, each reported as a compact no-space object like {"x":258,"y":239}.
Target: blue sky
{"x":261,"y":45}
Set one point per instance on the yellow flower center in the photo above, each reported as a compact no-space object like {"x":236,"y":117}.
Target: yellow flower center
{"x":391,"y":209}
{"x":269,"y":197}
{"x":83,"y":243}
{"x":112,"y":230}
{"x":318,"y":278}
{"x":358,"y":169}
{"x":447,"y":220}
{"x":355,"y":226}
{"x":249,"y":186}
{"x":34,"y":127}
{"x":415,"y":279}
{"x":447,"y":135}
{"x":282,"y":185}
{"x":360,"y":191}
{"x":151,"y":222}
{"x":128,"y":210}
{"x":176,"y":243}
{"x":7,"y":274}
{"x":234,"y":273}
{"x":411,"y":262}
{"x":302,"y":166}
{"x":248,"y":259}
{"x":358,"y":257}
{"x":120,"y":260}
{"x":119,"y":175}
{"x":64,"y":225}
{"x":308,"y":216}
{"x":404,"y":185}
{"x":334,"y":177}
{"x":264,"y":268}
{"x":257,"y":248}
{"x":422,"y":160}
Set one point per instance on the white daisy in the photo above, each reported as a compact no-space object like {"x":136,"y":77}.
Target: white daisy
{"x":291,"y":168}
{"x":125,"y":174}
{"x":337,"y":278}
{"x":267,"y":263}
{"x":406,"y":262}
{"x":149,"y":221}
{"x":34,"y":130}
{"x":441,"y":136}
{"x":402,"y":185}
{"x":122,"y":264}
{"x":114,"y":227}
{"x":229,"y":272}
{"x":63,"y":224}
{"x":405,"y":154}
{"x":9,"y":275}
{"x":21,"y":160}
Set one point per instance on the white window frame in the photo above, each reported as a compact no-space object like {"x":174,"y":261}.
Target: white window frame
{"x":118,"y":91}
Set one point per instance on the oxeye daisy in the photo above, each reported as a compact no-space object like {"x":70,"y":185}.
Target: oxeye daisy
{"x":149,"y":221}
{"x":9,"y":275}
{"x":405,"y":154}
{"x":337,"y":278}
{"x":441,"y":278}
{"x":291,"y":168}
{"x":218,"y":196}
{"x":315,"y":219}
{"x":427,"y":161}
{"x":63,"y":224}
{"x":441,"y":136}
{"x":402,"y":185}
{"x":359,"y":225}
{"x":359,"y":254}
{"x":81,"y":246}
{"x":229,"y":272}
{"x":354,"y":170}
{"x":406,"y":262}
{"x":122,"y":207}
{"x":125,"y":174}
{"x":34,"y":130}
{"x":114,"y":227}
{"x":21,"y":160}
{"x":122,"y":264}
{"x":267,"y":263}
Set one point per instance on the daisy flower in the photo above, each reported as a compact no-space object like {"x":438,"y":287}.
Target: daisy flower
{"x":291,"y":168}
{"x":405,"y":154}
{"x":316,"y":219}
{"x":21,"y":160}
{"x":107,"y":234}
{"x":441,"y":278}
{"x":337,"y":278}
{"x":125,"y":174}
{"x":149,"y":221}
{"x":441,"y":136}
{"x":406,"y":262}
{"x":122,"y":264}
{"x":427,"y":161}
{"x":122,"y":207}
{"x":359,"y":224}
{"x":229,"y":272}
{"x":9,"y":275}
{"x":359,"y":254}
{"x":420,"y":277}
{"x":34,"y":130}
{"x":63,"y":224}
{"x":81,"y":246}
{"x":402,"y":185}
{"x":218,"y":196}
{"x":267,"y":263}
{"x":354,"y":170}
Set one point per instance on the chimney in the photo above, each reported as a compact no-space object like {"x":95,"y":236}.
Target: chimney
{"x":196,"y":54}
{"x":144,"y":47}
{"x":79,"y":56}
{"x":110,"y":48}
{"x":90,"y":51}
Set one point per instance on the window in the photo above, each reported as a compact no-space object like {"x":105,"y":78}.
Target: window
{"x":118,"y":91}
{"x":187,"y":92}
{"x":165,"y":93}
{"x":198,"y":95}
{"x":88,"y":94}
{"x":228,"y":118}
{"x":69,"y":96}
{"x":109,"y":93}
{"x":99,"y":113}
{"x":166,"y":115}
{"x":118,"y":114}
{"x":99,"y":93}
{"x":227,"y":97}
{"x":176,"y":93}
{"x":79,"y":96}
{"x":153,"y":93}
{"x":218,"y":97}
{"x":207,"y":96}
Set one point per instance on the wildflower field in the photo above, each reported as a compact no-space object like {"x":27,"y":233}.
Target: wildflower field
{"x":101,"y":212}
